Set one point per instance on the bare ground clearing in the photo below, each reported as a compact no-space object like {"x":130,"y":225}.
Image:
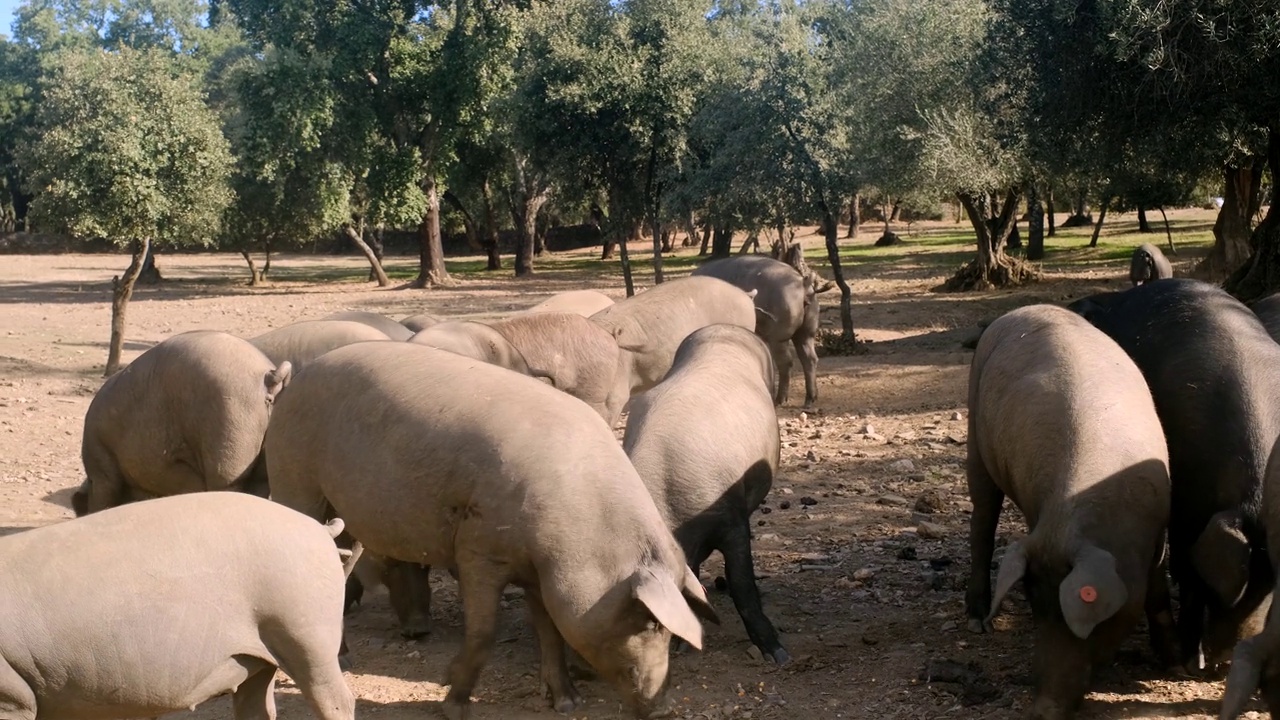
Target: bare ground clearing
{"x":864,"y":603}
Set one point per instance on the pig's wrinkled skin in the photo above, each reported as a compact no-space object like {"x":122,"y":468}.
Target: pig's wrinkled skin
{"x":1214,"y":374}
{"x":158,"y":606}
{"x":650,"y":326}
{"x":708,"y":477}
{"x":389,"y":327}
{"x":1148,"y":264}
{"x":579,"y":302}
{"x":188,"y":415}
{"x":579,"y":356}
{"x":788,"y":314}
{"x":421,"y":321}
{"x":422,"y":468}
{"x":1061,"y":421}
{"x":300,"y":343}
{"x":474,"y":340}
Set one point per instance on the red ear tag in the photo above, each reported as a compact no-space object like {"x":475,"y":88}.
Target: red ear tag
{"x":1088,"y":593}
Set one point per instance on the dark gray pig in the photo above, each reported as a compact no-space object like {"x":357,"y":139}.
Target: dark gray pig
{"x":391,"y":328}
{"x":1148,"y":264}
{"x":1215,"y":376}
{"x":1268,"y":311}
{"x":705,"y":442}
{"x":155,"y":607}
{"x":788,"y":310}
{"x":187,"y":416}
{"x":302,"y":342}
{"x":1061,"y":421}
{"x":578,"y":531}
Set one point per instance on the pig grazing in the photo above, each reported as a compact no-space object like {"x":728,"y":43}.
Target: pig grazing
{"x":1061,"y":421}
{"x":302,"y":342}
{"x":787,"y":313}
{"x":579,"y":302}
{"x":579,"y":356}
{"x":418,"y":323}
{"x":442,"y":460}
{"x":389,"y":327}
{"x":1148,"y":264}
{"x":474,"y":340}
{"x":188,"y":415}
{"x":1215,"y":376}
{"x":650,"y":326}
{"x":705,"y":442}
{"x":158,"y":606}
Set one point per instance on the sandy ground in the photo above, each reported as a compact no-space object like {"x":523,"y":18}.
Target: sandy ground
{"x":865,"y":604}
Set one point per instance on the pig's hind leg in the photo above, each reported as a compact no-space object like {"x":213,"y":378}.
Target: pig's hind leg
{"x":739,"y":570}
{"x":987,"y":499}
{"x":480,"y":585}
{"x":555,"y":670}
{"x":255,"y":699}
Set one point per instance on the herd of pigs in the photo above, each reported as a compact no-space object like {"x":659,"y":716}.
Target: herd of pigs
{"x":1134,"y":430}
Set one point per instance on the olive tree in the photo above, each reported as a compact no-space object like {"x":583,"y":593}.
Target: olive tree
{"x":126,"y":149}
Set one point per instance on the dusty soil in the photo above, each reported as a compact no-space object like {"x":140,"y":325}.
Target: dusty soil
{"x":865,"y":602}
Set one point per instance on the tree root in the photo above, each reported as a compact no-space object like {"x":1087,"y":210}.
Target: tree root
{"x":1008,"y":271}
{"x":835,"y":342}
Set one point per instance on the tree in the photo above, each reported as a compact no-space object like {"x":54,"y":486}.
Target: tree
{"x":127,"y":150}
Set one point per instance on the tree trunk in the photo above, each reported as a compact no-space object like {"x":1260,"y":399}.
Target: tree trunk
{"x":1168,"y":233}
{"x":897,"y":210}
{"x":1053,"y":229}
{"x":524,"y":213}
{"x":1035,"y":224}
{"x":722,"y":242}
{"x":490,"y":239}
{"x":431,"y":268}
{"x":1231,"y":231}
{"x":1143,"y":225}
{"x":752,"y":242}
{"x":992,"y":267}
{"x":375,"y":266}
{"x":1097,"y":227}
{"x":854,"y":204}
{"x":1261,"y":274}
{"x":627,"y":279}
{"x":121,"y":292}
{"x":266,"y":258}
{"x":706,"y":238}
{"x":1080,"y":204}
{"x":375,"y":244}
{"x":831,"y":234}
{"x":254,"y":278}
{"x":468,"y":222}
{"x":150,"y":274}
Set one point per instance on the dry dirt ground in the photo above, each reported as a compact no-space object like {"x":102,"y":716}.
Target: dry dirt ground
{"x":870,"y":607}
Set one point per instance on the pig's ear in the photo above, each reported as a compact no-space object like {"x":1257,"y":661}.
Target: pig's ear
{"x":660,"y":595}
{"x":629,"y":338}
{"x":1012,"y":568}
{"x":1221,"y":556}
{"x":697,"y":597}
{"x":277,"y":379}
{"x":1092,"y":592}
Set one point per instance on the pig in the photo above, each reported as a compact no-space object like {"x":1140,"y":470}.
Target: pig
{"x":302,"y":342}
{"x":650,"y":326}
{"x":188,"y":415}
{"x":408,"y":587}
{"x":708,"y":477}
{"x":444,"y":460}
{"x":156,"y":607}
{"x":787,"y":312}
{"x":579,"y":302}
{"x":579,"y":357}
{"x":474,"y":340}
{"x":1061,"y":421}
{"x":418,"y":323}
{"x":1215,"y":376}
{"x":1268,"y":311}
{"x":391,"y":328}
{"x":1148,"y":264}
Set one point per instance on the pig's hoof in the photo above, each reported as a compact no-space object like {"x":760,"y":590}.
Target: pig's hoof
{"x":780,"y":657}
{"x":456,"y":709}
{"x":979,"y":626}
{"x":567,"y":704}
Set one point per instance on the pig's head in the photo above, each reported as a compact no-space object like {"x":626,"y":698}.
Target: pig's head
{"x":1236,"y":608}
{"x":628,"y":639}
{"x":1077,"y":598}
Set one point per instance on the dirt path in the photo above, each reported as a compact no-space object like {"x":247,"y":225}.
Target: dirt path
{"x":864,"y":601}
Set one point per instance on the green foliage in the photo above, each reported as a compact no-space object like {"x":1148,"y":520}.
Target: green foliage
{"x":126,"y":149}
